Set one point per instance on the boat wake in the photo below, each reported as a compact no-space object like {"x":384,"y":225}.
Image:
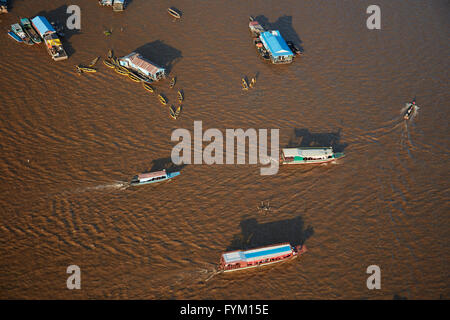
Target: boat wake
{"x":118,"y":185}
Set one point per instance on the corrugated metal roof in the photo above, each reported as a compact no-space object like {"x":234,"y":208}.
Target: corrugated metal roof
{"x":42,"y":25}
{"x":308,"y":152}
{"x":143,"y":63}
{"x":274,"y":42}
{"x":257,"y":254}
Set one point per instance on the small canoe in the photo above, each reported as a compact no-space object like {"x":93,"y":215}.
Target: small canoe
{"x":180,"y":96}
{"x":175,"y":113}
{"x":94,"y":62}
{"x":162,"y":99}
{"x":174,"y":12}
{"x":14,"y":36}
{"x":148,"y":87}
{"x":172,"y":82}
{"x":252,"y":83}
{"x":133,"y":77}
{"x":120,"y":71}
{"x":244,"y":84}
{"x":110,"y":54}
{"x":108,"y":64}
{"x":87,"y":69}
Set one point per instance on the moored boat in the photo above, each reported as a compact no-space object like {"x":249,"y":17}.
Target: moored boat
{"x":28,"y":28}
{"x":174,"y":12}
{"x":18,"y":30}
{"x":240,"y":260}
{"x":148,"y":87}
{"x":162,"y":99}
{"x":152,"y":177}
{"x":14,"y":36}
{"x":270,"y":44}
{"x":175,"y":113}
{"x":309,"y":155}
{"x":50,"y":36}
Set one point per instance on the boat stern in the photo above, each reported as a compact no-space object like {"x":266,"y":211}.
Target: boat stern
{"x":171,"y":175}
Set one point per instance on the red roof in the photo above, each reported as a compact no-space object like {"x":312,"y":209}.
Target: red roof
{"x":139,"y":61}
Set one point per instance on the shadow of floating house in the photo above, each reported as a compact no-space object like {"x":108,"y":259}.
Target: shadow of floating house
{"x":118,"y":5}
{"x":277,"y":48}
{"x":142,"y":66}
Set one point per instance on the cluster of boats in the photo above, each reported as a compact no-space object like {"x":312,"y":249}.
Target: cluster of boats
{"x":141,"y":70}
{"x":36,"y":31}
{"x":246,"y":84}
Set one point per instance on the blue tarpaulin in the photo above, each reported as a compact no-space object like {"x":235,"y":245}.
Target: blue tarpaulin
{"x":42,"y":25}
{"x":274,"y":42}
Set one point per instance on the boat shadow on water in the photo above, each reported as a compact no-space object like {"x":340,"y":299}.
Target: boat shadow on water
{"x":305,"y":138}
{"x":254,"y":234}
{"x":59,"y":16}
{"x":160,"y":53}
{"x":166,"y":163}
{"x":284,"y":25}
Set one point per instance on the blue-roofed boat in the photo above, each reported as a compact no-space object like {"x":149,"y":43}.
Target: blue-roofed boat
{"x":271,"y":45}
{"x":49,"y":35}
{"x":14,"y":36}
{"x":240,"y":260}
{"x":277,"y":48}
{"x":152,"y":177}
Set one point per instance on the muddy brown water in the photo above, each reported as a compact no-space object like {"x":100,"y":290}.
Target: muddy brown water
{"x":69,"y":142}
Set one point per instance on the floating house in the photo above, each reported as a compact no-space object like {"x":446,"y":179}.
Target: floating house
{"x":309,"y":155}
{"x":277,"y":48}
{"x":50,"y":37}
{"x":238,"y":260}
{"x":3,"y":6}
{"x":142,"y":66}
{"x":117,"y":5}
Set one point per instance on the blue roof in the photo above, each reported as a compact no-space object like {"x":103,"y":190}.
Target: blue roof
{"x":42,"y":25}
{"x":274,"y":42}
{"x":267,"y":252}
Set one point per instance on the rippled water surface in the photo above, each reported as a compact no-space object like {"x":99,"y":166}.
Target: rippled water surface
{"x":69,"y":143}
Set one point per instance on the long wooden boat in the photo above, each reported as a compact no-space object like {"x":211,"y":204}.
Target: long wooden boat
{"x":175,"y":113}
{"x":309,"y":155}
{"x":108,"y":64}
{"x":254,"y":258}
{"x":174,"y":12}
{"x":162,"y":99}
{"x":28,"y":28}
{"x":18,"y":30}
{"x":152,"y":177}
{"x":148,"y":87}
{"x":180,"y":96}
{"x":14,"y":36}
